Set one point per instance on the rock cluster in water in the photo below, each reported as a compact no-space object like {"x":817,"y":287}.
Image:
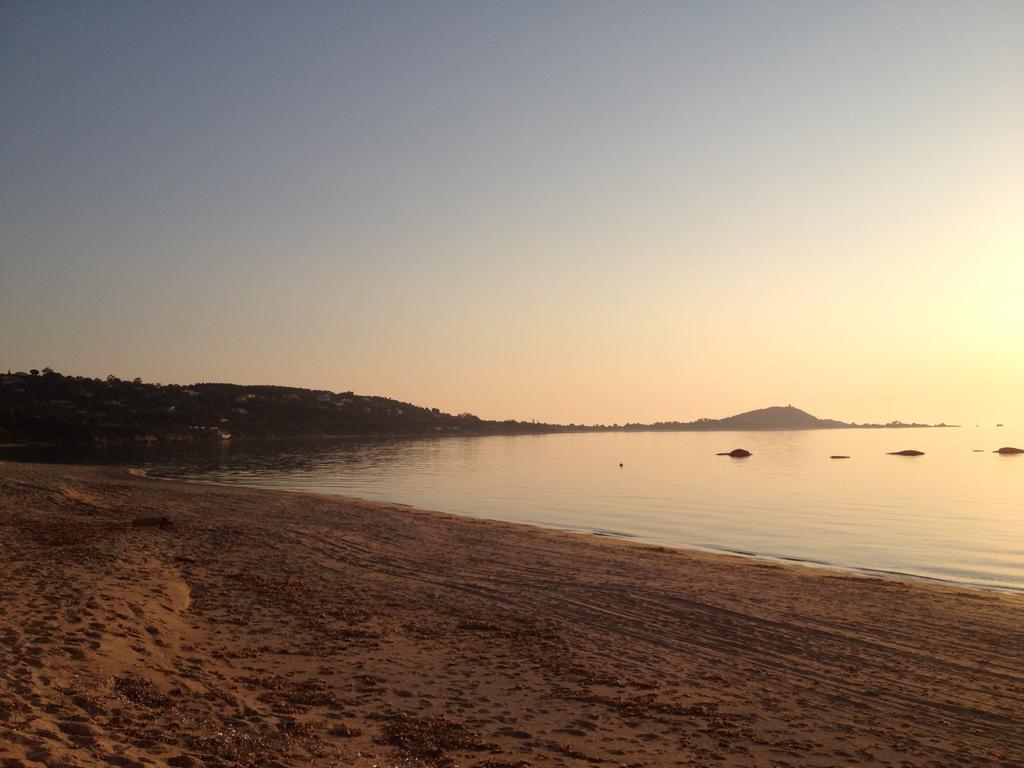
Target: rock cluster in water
{"x":742,"y":453}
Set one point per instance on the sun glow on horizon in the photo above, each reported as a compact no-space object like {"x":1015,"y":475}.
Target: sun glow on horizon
{"x":689,"y":212}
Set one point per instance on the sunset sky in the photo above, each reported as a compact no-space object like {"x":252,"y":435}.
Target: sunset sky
{"x":563,"y":211}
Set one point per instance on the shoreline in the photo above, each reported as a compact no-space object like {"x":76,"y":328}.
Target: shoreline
{"x":235,"y":626}
{"x":186,"y":440}
{"x":637,"y":540}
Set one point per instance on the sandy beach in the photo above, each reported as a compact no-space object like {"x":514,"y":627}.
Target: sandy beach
{"x":146,"y":622}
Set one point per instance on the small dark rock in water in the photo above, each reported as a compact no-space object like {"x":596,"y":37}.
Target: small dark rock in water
{"x":159,"y":521}
{"x":839,"y":457}
{"x":738,"y":453}
{"x":906,"y":453}
{"x":1010,"y":451}
{"x":980,"y":450}
{"x":620,"y":464}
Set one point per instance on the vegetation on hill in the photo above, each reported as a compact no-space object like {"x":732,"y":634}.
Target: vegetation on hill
{"x":49,"y":407}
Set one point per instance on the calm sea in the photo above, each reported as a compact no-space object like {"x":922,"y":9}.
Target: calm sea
{"x":953,"y":514}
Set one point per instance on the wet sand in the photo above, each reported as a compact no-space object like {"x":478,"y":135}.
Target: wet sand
{"x":263,"y":628}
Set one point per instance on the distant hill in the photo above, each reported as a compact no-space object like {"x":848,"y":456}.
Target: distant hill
{"x":52,"y":408}
{"x":776,"y":417}
{"x":48,"y":407}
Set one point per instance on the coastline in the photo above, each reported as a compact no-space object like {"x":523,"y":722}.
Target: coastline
{"x":263,"y":626}
{"x":635,"y":540}
{"x":543,"y":430}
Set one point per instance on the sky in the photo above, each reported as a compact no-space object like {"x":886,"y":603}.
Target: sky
{"x":598,"y":212}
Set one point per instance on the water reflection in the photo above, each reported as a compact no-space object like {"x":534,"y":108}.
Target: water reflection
{"x":951,"y":514}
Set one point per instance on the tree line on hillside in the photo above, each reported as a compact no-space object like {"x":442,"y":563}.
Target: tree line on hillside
{"x":48,"y":407}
